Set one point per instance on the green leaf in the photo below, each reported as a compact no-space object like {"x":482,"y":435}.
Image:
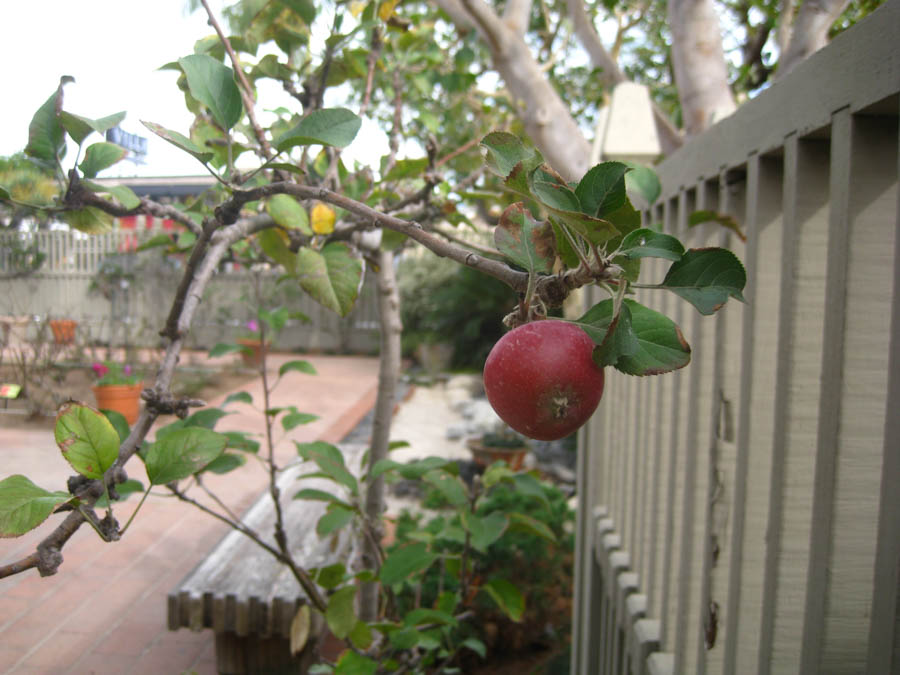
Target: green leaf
{"x":405,"y":561}
{"x":661,"y":346}
{"x":206,"y":418}
{"x":305,"y":9}
{"x":451,"y":487}
{"x":504,"y":152}
{"x":212,"y":83}
{"x":706,"y":278}
{"x":643,"y":181}
{"x":24,"y":505}
{"x":287,"y":212}
{"x":79,"y":127}
{"x":508,"y":598}
{"x":423,"y":616}
{"x":284,"y":166}
{"x":88,"y":440}
{"x":475,"y":645}
{"x":126,"y":197}
{"x":556,"y":197}
{"x":330,"y":576}
{"x":46,"y":136}
{"x":496,"y":473}
{"x":352,"y":663}
{"x":332,"y":277}
{"x":619,"y":340}
{"x":723,"y":219}
{"x":602,"y":189}
{"x":647,"y":243}
{"x":182,"y":453}
{"x":239,"y":440}
{"x":238,"y":397}
{"x":101,"y":156}
{"x":407,"y":168}
{"x":525,"y":241}
{"x":330,"y":461}
{"x":120,"y":424}
{"x":179,"y":141}
{"x":328,"y":126}
{"x":275,"y":244}
{"x":412,"y":470}
{"x":295,"y":419}
{"x":155,"y":241}
{"x":524,"y":523}
{"x":530,"y":486}
{"x":4,"y":193}
{"x":89,"y":219}
{"x":222,"y":348}
{"x":335,"y":518}
{"x":298,"y":366}
{"x":484,"y":530}
{"x":340,"y":614}
{"x":405,"y":638}
{"x":361,"y":635}
{"x":275,"y":319}
{"x":320,"y":496}
{"x":226,"y":462}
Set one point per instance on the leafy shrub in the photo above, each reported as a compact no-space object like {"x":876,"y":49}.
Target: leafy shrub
{"x":542,"y":570}
{"x":443,"y":302}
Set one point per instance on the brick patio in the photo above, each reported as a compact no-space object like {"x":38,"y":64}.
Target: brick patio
{"x":105,"y":611}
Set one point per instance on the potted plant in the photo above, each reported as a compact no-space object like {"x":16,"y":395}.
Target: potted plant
{"x":118,"y":388}
{"x":503,"y":444}
{"x":63,"y":330}
{"x":252,"y":345}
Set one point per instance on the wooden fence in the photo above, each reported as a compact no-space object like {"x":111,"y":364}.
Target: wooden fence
{"x":129,"y":305}
{"x":743,"y":515}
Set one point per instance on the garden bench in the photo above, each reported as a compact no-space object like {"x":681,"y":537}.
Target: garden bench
{"x":245,"y":596}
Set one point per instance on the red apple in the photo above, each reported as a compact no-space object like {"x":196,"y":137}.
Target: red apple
{"x":541,"y":380}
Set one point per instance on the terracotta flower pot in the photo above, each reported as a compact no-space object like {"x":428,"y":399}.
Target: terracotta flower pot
{"x":252,"y":356}
{"x":123,"y":398}
{"x":484,"y":455}
{"x":63,"y":330}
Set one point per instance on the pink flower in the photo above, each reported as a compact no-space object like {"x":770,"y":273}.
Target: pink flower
{"x":252,"y":325}
{"x":100,"y":369}
{"x":127,"y":370}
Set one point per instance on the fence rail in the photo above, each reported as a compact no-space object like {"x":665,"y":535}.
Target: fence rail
{"x":743,"y":515}
{"x":129,"y":308}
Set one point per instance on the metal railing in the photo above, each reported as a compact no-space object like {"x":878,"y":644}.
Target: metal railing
{"x":743,"y":514}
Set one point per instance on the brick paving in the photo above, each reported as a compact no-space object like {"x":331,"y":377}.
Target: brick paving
{"x":104,"y":612}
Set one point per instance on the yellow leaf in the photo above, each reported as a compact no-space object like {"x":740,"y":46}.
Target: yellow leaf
{"x":300,"y":630}
{"x":386,"y":10}
{"x":322,"y":219}
{"x":356,"y":8}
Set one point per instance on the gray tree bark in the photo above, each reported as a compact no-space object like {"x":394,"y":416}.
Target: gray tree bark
{"x":547,"y":120}
{"x":699,"y":62}
{"x":388,"y":372}
{"x":809,"y":32}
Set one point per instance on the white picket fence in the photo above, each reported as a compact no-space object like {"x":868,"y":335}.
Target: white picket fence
{"x":133,"y":309}
{"x":743,"y":515}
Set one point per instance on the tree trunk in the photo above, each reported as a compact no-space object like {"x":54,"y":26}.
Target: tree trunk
{"x":810,"y":31}
{"x":546,"y":119}
{"x":699,"y":63}
{"x":388,"y":372}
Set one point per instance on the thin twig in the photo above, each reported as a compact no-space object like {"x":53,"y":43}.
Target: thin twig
{"x":245,"y":88}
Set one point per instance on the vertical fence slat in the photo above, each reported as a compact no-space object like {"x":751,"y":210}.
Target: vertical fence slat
{"x":854,"y":393}
{"x":884,"y":625}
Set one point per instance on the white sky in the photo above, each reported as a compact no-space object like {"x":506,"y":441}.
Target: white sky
{"x":113,"y":49}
